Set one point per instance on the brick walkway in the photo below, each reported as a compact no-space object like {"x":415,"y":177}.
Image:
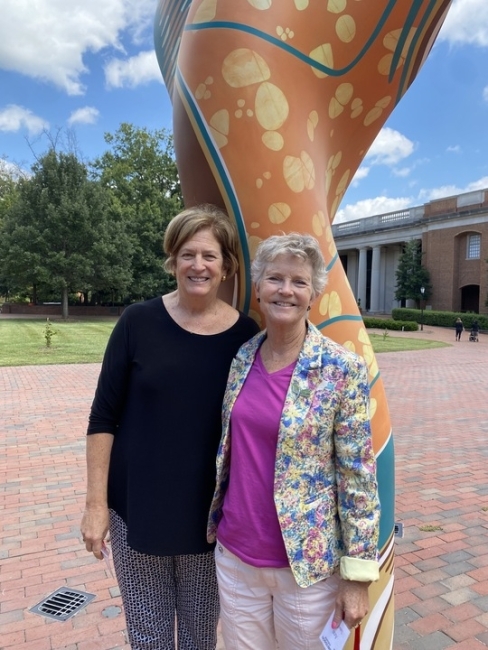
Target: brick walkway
{"x":439,"y":405}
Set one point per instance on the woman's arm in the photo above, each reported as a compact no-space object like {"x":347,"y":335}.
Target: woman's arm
{"x":95,"y":522}
{"x":358,"y":501}
{"x":104,"y":417}
{"x":357,"y":489}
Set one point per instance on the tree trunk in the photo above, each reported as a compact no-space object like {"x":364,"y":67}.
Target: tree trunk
{"x":65,"y":303}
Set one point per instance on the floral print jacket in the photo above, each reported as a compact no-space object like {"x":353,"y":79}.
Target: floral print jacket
{"x":325,"y":488}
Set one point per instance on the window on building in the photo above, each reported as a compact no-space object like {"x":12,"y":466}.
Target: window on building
{"x":474,"y":246}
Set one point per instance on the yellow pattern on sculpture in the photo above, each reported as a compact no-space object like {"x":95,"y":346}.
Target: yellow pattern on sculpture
{"x":299,"y":173}
{"x":243,"y":68}
{"x":206,"y":11}
{"x":279,"y":212}
{"x":336,"y":6}
{"x":346,"y":28}
{"x":271,"y":106}
{"x":323,"y":55}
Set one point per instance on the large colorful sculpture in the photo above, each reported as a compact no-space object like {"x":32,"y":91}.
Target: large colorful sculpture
{"x":276,"y":103}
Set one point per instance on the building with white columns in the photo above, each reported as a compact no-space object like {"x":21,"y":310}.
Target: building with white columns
{"x":454,"y":236}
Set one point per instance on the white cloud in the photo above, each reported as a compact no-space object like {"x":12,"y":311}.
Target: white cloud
{"x":133,"y":72}
{"x":454,"y":149}
{"x":6,"y":167}
{"x":389,"y":148}
{"x":15,"y":118}
{"x":402,"y":172}
{"x":485,"y":93}
{"x":371,"y":207}
{"x":480,"y":184}
{"x":466,"y":22}
{"x":439,"y":193}
{"x":85,"y":115}
{"x":432,"y":194}
{"x":11,"y":170}
{"x":384,"y":204}
{"x":47,"y":40}
{"x":361,"y":173}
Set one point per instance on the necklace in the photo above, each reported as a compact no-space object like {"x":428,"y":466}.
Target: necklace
{"x":274,"y":361}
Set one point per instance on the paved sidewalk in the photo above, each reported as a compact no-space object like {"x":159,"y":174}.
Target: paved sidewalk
{"x":439,"y":405}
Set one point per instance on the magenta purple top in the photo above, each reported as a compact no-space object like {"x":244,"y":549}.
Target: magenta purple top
{"x":249,"y":526}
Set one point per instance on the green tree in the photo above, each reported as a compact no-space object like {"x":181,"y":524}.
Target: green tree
{"x":140,"y":172}
{"x":411,"y":275}
{"x":8,"y":192}
{"x":62,"y":232}
{"x":8,"y":196}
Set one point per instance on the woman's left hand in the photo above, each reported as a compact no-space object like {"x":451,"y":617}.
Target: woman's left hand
{"x":352,"y":603}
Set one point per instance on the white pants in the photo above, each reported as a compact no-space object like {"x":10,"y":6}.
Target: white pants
{"x":260,"y":607}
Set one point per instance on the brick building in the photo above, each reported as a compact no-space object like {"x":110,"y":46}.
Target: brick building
{"x":454,"y":236}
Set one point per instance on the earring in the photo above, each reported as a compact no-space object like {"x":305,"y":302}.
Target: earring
{"x":224,"y":277}
{"x":309,"y":307}
{"x":259,"y":299}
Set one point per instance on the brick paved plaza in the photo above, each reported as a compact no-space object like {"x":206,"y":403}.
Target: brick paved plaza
{"x":439,"y":406}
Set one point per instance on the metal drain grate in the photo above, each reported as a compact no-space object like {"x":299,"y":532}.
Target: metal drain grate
{"x":63,"y":603}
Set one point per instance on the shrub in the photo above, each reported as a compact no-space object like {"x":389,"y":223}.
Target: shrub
{"x":49,"y":332}
{"x":390,"y":324}
{"x":440,"y":318}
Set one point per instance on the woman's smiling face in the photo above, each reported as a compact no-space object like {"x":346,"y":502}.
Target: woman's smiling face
{"x":199,"y":266}
{"x":285,"y":291}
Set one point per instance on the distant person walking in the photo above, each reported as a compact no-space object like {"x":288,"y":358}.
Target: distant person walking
{"x":459,"y":328}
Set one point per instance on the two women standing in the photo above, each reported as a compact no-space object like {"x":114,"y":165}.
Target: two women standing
{"x":295,"y":509}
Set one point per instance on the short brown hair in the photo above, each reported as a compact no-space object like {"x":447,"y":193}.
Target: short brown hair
{"x":202,"y":217}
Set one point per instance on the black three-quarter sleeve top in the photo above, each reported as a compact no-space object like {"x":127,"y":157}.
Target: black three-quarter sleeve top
{"x":160,"y":394}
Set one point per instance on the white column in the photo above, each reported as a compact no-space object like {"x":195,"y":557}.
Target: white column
{"x":375,"y":279}
{"x":397,"y":251}
{"x":352,"y":271}
{"x":362,"y":272}
{"x":383,"y":283}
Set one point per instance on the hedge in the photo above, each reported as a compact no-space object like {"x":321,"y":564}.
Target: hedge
{"x":439,"y":318}
{"x":390,"y":324}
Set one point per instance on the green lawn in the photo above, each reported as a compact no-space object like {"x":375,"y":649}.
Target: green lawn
{"x":392,"y":343}
{"x":22,"y":342}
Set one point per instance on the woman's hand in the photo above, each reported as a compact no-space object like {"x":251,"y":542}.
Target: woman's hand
{"x":352,"y":603}
{"x":94,"y":529}
{"x":95,"y":522}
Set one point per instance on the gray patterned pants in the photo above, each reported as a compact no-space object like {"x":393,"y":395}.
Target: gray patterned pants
{"x":156,"y":591}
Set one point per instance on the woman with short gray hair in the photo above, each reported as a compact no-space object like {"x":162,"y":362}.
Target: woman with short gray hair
{"x":304,"y":247}
{"x":295,"y":511}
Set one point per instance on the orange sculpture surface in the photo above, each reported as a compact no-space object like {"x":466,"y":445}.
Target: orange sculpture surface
{"x":276,"y":103}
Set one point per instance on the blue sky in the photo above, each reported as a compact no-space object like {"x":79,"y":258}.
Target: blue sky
{"x":88,"y":65}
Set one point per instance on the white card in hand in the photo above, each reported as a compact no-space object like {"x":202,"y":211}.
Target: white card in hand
{"x":334,"y":639}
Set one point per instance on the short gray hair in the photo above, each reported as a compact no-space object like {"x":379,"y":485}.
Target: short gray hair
{"x":305,"y":247}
